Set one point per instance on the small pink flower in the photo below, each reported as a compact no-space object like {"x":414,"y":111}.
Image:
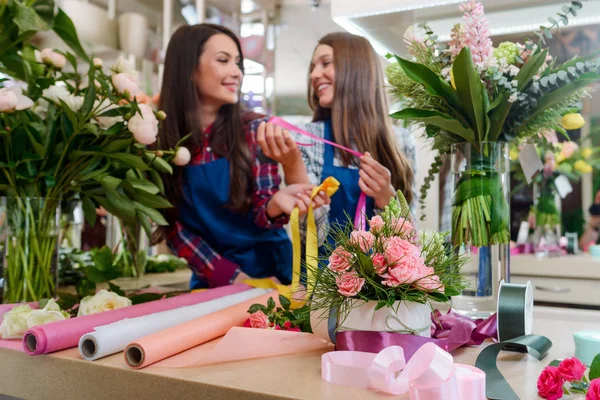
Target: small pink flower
{"x":401,"y":275}
{"x":259,"y":320}
{"x":379,"y":263}
{"x":376,"y":224}
{"x":145,"y":126}
{"x":568,"y":149}
{"x":247,"y":323}
{"x":430,"y":283}
{"x":126,"y":83}
{"x":287,"y":325}
{"x":295,"y":329}
{"x":397,"y":249}
{"x":349,"y":283}
{"x":550,"y":384}
{"x":363,"y":239}
{"x":340,"y":260}
{"x":571,"y":369}
{"x":402,"y":226}
{"x":594,"y":390}
{"x":53,"y":58}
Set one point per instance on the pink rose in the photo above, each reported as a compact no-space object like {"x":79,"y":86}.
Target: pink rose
{"x":571,"y":369}
{"x":145,"y":126}
{"x":401,"y":275}
{"x":287,"y":325}
{"x":362,"y":239}
{"x":349,"y":284}
{"x":568,"y":149}
{"x":259,"y":320}
{"x":430,"y":283}
{"x":550,"y":384}
{"x":182,"y":156}
{"x":379,"y":263}
{"x":594,"y":390}
{"x":396,"y":249}
{"x":340,"y":260}
{"x":126,"y":83}
{"x":402,"y":226}
{"x":376,"y":224}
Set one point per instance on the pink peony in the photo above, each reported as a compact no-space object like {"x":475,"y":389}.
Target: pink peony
{"x":259,"y":320}
{"x":430,"y":283}
{"x":145,"y":126}
{"x":8,"y":100}
{"x":379,"y":263}
{"x":594,"y":390}
{"x":550,"y":384}
{"x":182,"y":156}
{"x":349,"y":283}
{"x":340,"y":260}
{"x":363,"y":239}
{"x":571,"y":369}
{"x":126,"y":83}
{"x":376,"y":224}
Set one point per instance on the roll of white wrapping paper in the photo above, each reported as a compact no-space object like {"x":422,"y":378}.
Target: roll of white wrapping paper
{"x":112,"y":338}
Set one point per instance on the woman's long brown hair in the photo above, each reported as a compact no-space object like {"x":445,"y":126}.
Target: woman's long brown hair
{"x":359,"y":114}
{"x":181,"y":100}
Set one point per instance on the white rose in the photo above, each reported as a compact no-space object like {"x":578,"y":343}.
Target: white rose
{"x":14,"y":322}
{"x":57,"y":93}
{"x":12,"y":99}
{"x":107,"y":122}
{"x":145,"y":126}
{"x":125,"y":67}
{"x":40,"y":317}
{"x":53,"y":58}
{"x":102,"y":301}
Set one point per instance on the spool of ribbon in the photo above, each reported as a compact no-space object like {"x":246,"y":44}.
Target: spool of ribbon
{"x":360,"y":214}
{"x":429,"y":375}
{"x":330,"y":185}
{"x":515,"y":310}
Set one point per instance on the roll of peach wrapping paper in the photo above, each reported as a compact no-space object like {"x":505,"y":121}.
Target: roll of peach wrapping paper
{"x":60,"y":335}
{"x":169,"y":342}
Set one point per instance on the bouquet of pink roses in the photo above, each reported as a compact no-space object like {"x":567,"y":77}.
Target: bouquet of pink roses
{"x":391,"y":262}
{"x":568,"y":377}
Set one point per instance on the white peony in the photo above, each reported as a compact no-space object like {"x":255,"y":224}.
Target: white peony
{"x":182,"y":156}
{"x":144,"y":126}
{"x":14,"y":322}
{"x":102,"y":301}
{"x":12,"y":99}
{"x":98,"y":62}
{"x":123,"y":66}
{"x":107,"y":122}
{"x":57,"y":93}
{"x":53,"y":58}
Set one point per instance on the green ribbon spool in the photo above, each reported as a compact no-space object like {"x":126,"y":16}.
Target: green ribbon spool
{"x":515,"y":326}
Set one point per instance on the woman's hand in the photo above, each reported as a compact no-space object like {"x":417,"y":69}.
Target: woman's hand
{"x":278,"y":145}
{"x":241,"y":277}
{"x":292,"y":196}
{"x":375,"y":181}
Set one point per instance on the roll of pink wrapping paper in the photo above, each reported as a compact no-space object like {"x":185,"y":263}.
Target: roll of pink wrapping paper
{"x":169,"y":342}
{"x":62,"y":335}
{"x":245,"y":344}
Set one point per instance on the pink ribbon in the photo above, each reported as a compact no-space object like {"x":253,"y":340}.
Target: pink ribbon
{"x":460,"y":331}
{"x":360,"y":214}
{"x":429,"y":375}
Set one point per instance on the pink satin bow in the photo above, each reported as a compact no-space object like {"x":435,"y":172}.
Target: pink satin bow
{"x":429,"y":375}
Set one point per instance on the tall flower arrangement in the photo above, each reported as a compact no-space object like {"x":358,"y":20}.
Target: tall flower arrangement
{"x":472,"y":93}
{"x":66,"y":135}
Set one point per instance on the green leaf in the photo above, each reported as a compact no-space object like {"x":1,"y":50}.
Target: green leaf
{"x":38,"y":147}
{"x":89,"y":210}
{"x":144,"y":185}
{"x":116,"y":145}
{"x":270,"y":305}
{"x":66,"y":301}
{"x":573,"y":63}
{"x":145,"y":298}
{"x":257,"y":307}
{"x":103,"y":259}
{"x":285,"y":302}
{"x":151,"y":213}
{"x":157,"y":179}
{"x":152,"y":200}
{"x":64,"y":28}
{"x":116,"y":289}
{"x":27,"y":19}
{"x":115,"y":112}
{"x":90,"y":93}
{"x":116,"y":128}
{"x":452,"y":292}
{"x":470,"y":91}
{"x":595,"y":368}
{"x":433,"y":83}
{"x":554,"y":363}
{"x":435,"y":118}
{"x":125,"y":207}
{"x":130,"y":159}
{"x":159,"y":163}
{"x":144,"y":221}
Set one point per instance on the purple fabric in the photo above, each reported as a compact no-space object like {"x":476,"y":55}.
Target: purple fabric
{"x":448,"y":331}
{"x":374,"y":342}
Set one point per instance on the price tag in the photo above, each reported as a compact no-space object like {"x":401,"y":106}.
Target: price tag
{"x":530,"y":161}
{"x":563,"y":186}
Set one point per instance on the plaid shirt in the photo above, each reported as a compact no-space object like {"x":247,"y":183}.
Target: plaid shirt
{"x":313,"y":154}
{"x":204,"y":261}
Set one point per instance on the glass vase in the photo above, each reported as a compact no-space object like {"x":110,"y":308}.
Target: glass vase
{"x":481,"y":223}
{"x":29,"y":229}
{"x":547,"y":208}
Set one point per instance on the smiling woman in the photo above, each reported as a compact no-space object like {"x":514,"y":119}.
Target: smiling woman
{"x":229,"y":214}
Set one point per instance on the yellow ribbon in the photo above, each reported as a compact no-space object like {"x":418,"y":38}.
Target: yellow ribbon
{"x":330,"y":185}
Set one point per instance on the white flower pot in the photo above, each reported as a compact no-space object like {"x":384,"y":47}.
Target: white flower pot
{"x":403,"y":317}
{"x":133,"y":34}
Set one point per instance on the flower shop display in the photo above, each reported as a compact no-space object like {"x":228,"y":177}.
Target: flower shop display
{"x":386,"y":278}
{"x":67,"y":135}
{"x":473,"y":100}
